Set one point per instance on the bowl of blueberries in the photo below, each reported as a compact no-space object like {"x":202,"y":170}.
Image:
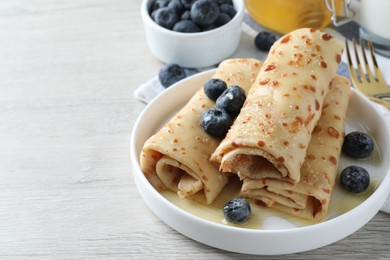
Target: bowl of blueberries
{"x":192,"y":33}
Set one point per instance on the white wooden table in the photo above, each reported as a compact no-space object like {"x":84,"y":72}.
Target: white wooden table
{"x":68,"y":70}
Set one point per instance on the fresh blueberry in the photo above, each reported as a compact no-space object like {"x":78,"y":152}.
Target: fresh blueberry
{"x":264,"y":40}
{"x":228,"y":9}
{"x":222,"y":19}
{"x":216,"y":122}
{"x":157,"y":4}
{"x":187,"y":3}
{"x":237,"y":211}
{"x":209,"y":27}
{"x":358,"y":145}
{"x":153,"y":15}
{"x":190,"y":71}
{"x":231,"y":100}
{"x":213,"y":88}
{"x":186,"y":26}
{"x":170,"y":74}
{"x":204,"y":12}
{"x":166,"y":17}
{"x":177,"y":5}
{"x":355,"y":179}
{"x":221,"y":2}
{"x":186,"y":15}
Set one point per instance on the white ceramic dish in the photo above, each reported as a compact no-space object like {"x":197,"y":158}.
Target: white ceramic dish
{"x":193,"y":50}
{"x":277,"y":236}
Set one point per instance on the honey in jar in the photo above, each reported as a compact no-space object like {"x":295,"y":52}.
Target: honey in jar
{"x":283,"y":16}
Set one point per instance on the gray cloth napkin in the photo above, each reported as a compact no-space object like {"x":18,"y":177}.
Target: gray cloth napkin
{"x":151,"y":89}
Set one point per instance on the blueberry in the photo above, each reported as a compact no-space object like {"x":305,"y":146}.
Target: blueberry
{"x":228,"y":9}
{"x":231,"y":100}
{"x":209,"y":27}
{"x":204,"y":12}
{"x":216,"y":122}
{"x":166,"y":17}
{"x":237,"y":211}
{"x":186,"y":15}
{"x":170,"y":74}
{"x":186,"y":26}
{"x":153,"y":15}
{"x":355,"y":179}
{"x":221,"y":2}
{"x":264,"y":40}
{"x":358,"y":145}
{"x":213,"y":88}
{"x":187,"y":3}
{"x":177,"y":5}
{"x":157,"y":4}
{"x":222,"y":19}
{"x":190,"y":71}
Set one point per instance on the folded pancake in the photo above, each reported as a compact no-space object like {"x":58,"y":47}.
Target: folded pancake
{"x":177,"y":156}
{"x":309,"y":198}
{"x":274,"y":126}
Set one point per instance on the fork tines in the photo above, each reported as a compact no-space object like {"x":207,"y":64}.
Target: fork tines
{"x":366,"y":74}
{"x":368,"y":81}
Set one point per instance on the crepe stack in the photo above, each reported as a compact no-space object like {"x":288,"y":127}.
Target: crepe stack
{"x":267,"y":146}
{"x":309,"y":198}
{"x":177,"y":156}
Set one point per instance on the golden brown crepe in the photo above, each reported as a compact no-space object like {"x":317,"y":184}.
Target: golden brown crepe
{"x":309,"y":198}
{"x":177,"y":156}
{"x":274,"y":126}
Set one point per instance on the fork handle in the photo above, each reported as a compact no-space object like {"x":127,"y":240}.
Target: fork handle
{"x":381,"y":102}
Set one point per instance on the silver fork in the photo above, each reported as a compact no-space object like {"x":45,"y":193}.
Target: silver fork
{"x":371,"y":84}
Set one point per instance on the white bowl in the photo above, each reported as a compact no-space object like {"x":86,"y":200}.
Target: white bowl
{"x":193,"y":50}
{"x":277,"y":236}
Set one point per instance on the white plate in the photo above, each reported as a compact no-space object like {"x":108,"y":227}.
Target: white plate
{"x":277,"y":234}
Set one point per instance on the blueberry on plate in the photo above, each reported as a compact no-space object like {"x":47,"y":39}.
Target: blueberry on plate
{"x":232,"y":100}
{"x":213,"y":88}
{"x":216,"y":122}
{"x":264,"y":41}
{"x":358,"y":145}
{"x":171,"y":73}
{"x":237,"y":211}
{"x":166,"y":17}
{"x":186,"y":26}
{"x":355,"y":179}
{"x":204,"y":12}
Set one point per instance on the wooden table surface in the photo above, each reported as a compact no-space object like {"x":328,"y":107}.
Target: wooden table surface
{"x":68,"y":70}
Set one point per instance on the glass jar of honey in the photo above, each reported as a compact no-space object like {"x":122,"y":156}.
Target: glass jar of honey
{"x":283,"y":16}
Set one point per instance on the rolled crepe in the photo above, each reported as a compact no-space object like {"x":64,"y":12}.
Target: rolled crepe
{"x":177,"y":156}
{"x":274,"y":126}
{"x":309,"y":198}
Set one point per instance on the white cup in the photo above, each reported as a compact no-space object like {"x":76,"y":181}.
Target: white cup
{"x":373,"y":16}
